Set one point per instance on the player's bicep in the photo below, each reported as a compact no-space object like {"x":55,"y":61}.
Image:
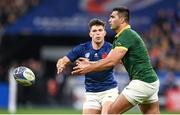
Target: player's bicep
{"x":74,"y":54}
{"x":117,"y":53}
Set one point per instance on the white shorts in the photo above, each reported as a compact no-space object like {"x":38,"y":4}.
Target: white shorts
{"x":97,"y":99}
{"x":139,"y":92}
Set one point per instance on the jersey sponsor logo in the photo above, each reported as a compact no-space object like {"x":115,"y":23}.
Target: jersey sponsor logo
{"x":87,"y":55}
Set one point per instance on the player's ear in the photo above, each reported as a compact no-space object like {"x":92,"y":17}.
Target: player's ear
{"x":90,"y":34}
{"x":122,"y":20}
{"x":105,"y":32}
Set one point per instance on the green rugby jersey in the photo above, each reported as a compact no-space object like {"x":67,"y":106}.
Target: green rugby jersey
{"x":136,"y":59}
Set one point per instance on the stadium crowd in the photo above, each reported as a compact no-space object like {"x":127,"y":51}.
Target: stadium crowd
{"x":10,"y":10}
{"x":163,"y":40}
{"x":162,"y":37}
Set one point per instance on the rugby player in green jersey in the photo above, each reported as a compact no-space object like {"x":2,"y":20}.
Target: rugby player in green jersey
{"x":129,"y":48}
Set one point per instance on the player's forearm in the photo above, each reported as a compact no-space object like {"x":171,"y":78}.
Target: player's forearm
{"x":102,"y":64}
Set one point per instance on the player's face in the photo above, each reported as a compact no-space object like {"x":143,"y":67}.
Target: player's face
{"x":114,"y":20}
{"x":97,"y":33}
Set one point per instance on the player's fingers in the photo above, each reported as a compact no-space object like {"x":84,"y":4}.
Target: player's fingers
{"x":76,"y":68}
{"x":60,"y":69}
{"x":76,"y":72}
{"x":57,"y":65}
{"x":78,"y":62}
{"x":82,"y":59}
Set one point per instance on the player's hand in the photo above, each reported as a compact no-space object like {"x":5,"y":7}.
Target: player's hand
{"x":82,"y":67}
{"x":82,"y":60}
{"x":60,"y":66}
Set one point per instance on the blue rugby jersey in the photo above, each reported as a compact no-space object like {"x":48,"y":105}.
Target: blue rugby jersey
{"x":97,"y":81}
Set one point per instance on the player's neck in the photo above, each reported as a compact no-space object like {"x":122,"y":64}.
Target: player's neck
{"x":121,"y":27}
{"x":97,"y":46}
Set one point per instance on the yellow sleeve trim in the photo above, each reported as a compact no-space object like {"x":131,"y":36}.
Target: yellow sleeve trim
{"x":122,"y":48}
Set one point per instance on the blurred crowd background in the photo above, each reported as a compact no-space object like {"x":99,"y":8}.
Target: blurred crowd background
{"x":29,"y":38}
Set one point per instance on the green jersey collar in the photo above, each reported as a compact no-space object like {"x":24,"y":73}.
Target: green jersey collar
{"x":128,"y":26}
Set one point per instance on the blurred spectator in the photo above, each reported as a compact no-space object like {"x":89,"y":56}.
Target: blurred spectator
{"x":3,"y":73}
{"x":10,"y":10}
{"x":52,"y":91}
{"x":168,"y":83}
{"x":163,"y":40}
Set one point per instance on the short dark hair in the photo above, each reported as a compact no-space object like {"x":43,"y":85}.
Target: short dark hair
{"x":97,"y":22}
{"x":124,"y":11}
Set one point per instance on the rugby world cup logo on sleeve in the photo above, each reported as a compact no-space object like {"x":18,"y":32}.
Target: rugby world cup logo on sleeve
{"x":87,"y":55}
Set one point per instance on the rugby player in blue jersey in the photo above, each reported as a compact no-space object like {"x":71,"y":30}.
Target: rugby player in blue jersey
{"x":101,"y":87}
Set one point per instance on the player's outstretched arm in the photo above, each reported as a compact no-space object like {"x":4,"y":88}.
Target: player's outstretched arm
{"x":61,"y":64}
{"x":111,"y":60}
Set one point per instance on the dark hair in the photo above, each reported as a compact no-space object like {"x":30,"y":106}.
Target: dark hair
{"x":97,"y":22}
{"x":124,"y":11}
